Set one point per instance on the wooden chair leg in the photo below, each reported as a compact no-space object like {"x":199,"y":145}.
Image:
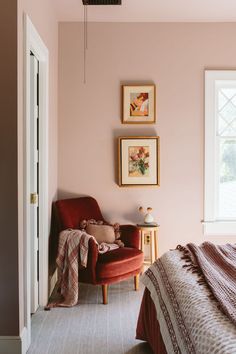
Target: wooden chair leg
{"x":136,"y":282}
{"x":104,"y":293}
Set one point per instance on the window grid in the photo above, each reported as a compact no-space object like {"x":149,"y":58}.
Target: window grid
{"x":225,"y":208}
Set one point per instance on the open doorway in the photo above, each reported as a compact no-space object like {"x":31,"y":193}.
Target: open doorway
{"x":36,"y":208}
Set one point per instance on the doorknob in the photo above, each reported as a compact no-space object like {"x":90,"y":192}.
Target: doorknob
{"x":33,"y":198}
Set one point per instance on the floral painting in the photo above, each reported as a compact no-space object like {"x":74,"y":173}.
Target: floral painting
{"x":139,"y":104}
{"x":138,"y":161}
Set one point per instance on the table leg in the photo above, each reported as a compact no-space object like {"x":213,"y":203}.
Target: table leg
{"x":152,"y":246}
{"x":156,"y":244}
{"x":142,"y":241}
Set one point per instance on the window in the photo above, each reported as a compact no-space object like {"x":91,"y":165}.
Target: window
{"x":220,"y":152}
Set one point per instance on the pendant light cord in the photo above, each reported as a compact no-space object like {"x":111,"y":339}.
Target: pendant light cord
{"x":85,"y":39}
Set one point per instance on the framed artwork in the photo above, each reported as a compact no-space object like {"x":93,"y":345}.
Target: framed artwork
{"x":139,"y":103}
{"x":138,"y":159}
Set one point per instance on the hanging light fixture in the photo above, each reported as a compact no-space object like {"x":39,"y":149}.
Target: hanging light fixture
{"x":93,"y":2}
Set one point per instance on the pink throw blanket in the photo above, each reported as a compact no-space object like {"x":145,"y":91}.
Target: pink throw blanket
{"x":217,"y":265}
{"x":73,"y":254}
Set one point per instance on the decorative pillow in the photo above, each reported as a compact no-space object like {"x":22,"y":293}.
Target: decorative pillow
{"x":102,"y":233}
{"x":83,"y":224}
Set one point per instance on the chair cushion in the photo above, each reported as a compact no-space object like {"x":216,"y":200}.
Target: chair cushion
{"x":118,"y":262}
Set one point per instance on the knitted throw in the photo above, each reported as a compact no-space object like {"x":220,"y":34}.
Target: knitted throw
{"x":72,"y":255}
{"x":217,"y":265}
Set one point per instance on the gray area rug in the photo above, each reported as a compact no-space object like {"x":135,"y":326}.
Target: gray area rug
{"x":91,"y":327}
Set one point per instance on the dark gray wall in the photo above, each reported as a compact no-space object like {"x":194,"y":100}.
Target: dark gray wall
{"x":9,"y":298}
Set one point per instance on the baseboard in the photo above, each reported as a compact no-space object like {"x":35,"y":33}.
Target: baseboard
{"x":24,"y":341}
{"x":52,"y":282}
{"x":14,"y":344}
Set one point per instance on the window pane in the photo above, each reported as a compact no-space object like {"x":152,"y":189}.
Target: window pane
{"x":227,"y":112}
{"x":227,"y":182}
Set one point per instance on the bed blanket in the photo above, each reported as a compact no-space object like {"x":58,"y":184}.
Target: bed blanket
{"x":190,"y":321}
{"x":217,"y":266}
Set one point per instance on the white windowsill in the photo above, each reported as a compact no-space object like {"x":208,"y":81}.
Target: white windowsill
{"x":219,"y":228}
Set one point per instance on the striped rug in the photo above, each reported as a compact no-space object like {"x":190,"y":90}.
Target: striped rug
{"x":90,"y":327}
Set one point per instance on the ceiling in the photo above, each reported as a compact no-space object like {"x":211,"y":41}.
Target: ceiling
{"x":151,"y":11}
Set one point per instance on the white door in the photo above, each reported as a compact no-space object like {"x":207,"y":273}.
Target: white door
{"x":34,"y":178}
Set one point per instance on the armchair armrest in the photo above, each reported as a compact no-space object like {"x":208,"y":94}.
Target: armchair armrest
{"x":130,"y":236}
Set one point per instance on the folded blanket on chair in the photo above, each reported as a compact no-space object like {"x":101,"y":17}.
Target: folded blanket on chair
{"x":73,"y":254}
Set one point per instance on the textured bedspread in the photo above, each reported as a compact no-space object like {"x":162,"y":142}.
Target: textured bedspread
{"x":190,"y":320}
{"x":216,"y":266}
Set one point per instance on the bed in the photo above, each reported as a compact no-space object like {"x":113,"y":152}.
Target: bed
{"x":179,"y":315}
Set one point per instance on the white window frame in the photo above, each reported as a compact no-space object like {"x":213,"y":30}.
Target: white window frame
{"x":213,"y":225}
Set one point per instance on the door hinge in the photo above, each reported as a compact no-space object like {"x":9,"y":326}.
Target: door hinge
{"x":33,"y":198}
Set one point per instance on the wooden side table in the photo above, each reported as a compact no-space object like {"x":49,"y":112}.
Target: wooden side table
{"x":150,"y":230}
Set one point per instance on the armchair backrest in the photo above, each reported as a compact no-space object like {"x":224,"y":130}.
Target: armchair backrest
{"x":72,"y":211}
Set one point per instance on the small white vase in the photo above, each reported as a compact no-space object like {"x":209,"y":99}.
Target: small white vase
{"x":148,"y":219}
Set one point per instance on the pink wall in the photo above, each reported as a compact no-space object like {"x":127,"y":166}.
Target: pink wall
{"x":174,"y":57}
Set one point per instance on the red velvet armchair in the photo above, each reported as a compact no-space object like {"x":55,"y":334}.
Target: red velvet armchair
{"x":106,"y":268}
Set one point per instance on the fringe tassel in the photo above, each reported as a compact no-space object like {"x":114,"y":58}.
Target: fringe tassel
{"x":195,"y":269}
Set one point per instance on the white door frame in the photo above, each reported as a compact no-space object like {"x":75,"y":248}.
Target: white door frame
{"x":33,"y":43}
{"x":34,"y":72}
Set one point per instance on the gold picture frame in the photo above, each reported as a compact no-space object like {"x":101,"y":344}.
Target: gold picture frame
{"x":139,"y":161}
{"x":139,"y":104}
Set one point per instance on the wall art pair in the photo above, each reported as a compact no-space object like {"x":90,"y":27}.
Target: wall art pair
{"x":138,"y":156}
